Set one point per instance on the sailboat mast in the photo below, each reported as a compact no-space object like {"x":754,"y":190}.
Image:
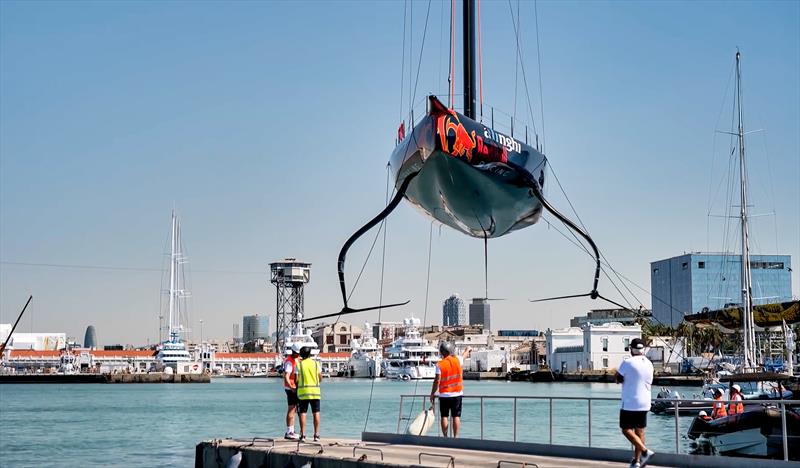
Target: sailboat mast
{"x":173,"y":272}
{"x":748,"y":332}
{"x":469,"y":58}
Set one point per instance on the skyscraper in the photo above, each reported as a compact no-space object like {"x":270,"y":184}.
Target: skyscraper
{"x":255,"y":327}
{"x":90,"y":338}
{"x":480,"y":313}
{"x":454,"y":311}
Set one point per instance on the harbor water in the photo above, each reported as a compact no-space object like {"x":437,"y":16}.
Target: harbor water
{"x":159,"y":425}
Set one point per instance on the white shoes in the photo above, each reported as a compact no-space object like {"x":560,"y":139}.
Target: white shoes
{"x":646,"y":458}
{"x":290,"y":436}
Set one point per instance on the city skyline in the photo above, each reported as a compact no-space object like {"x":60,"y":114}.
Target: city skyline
{"x":272,"y":144}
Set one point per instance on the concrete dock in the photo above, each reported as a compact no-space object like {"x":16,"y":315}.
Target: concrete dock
{"x":151,"y":378}
{"x":379,"y":450}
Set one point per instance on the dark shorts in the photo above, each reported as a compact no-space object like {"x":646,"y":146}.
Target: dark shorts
{"x":291,"y":397}
{"x":632,"y":419}
{"x":450,"y":406}
{"x":302,"y":408}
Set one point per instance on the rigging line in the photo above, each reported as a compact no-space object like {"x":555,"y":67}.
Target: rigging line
{"x":539,"y":58}
{"x":117,"y":268}
{"x":480,"y":59}
{"x":380,"y":301}
{"x":441,"y":40}
{"x":452,"y":77}
{"x":516,"y":66}
{"x":524,"y":75}
{"x":410,"y":54}
{"x":424,"y":314}
{"x":421,"y":49}
{"x":403,"y":61}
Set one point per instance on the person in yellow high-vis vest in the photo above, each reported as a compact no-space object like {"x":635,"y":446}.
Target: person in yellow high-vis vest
{"x":308,"y":378}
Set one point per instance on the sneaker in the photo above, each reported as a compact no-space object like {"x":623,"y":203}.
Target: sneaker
{"x":646,"y":458}
{"x":316,"y":437}
{"x":290,"y":436}
{"x":634,"y":463}
{"x":302,"y":438}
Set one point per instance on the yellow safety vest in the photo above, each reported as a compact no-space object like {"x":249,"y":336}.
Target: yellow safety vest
{"x":308,"y":380}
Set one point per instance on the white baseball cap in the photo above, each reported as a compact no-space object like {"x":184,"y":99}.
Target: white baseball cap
{"x":737,"y":388}
{"x":296,"y":348}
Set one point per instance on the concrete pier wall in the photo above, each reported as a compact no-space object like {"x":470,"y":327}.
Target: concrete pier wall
{"x":104,"y":378}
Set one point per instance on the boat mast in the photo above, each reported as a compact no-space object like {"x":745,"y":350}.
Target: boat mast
{"x":173,"y":318}
{"x":748,"y":325}
{"x":469,"y":59}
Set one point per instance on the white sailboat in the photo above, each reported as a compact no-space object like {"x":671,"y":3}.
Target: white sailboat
{"x":744,"y":433}
{"x":172,"y":353}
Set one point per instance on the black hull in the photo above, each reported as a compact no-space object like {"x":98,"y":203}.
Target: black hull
{"x":469,"y":176}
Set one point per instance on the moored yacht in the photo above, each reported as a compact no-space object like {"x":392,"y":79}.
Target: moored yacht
{"x":365,"y":362}
{"x":410,"y":357}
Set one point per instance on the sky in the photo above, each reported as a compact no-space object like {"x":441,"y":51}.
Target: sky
{"x":268,"y":125}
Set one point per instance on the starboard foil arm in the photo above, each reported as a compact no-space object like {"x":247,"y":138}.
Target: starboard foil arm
{"x":594,"y":294}
{"x":346,"y":309}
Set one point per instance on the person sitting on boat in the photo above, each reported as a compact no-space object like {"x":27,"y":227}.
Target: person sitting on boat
{"x":449,"y":383}
{"x":290,"y":387}
{"x":718,"y":408}
{"x":309,"y":376}
{"x":704,"y":416}
{"x":736,"y":406}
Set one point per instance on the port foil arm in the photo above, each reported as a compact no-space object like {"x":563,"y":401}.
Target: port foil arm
{"x":346,"y":309}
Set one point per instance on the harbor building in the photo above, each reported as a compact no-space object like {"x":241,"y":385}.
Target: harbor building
{"x":689,"y":283}
{"x":454,"y":311}
{"x":255,"y":327}
{"x":601,"y":316}
{"x":336,"y":337}
{"x":591,"y":347}
{"x":90,"y":338}
{"x":32,"y":341}
{"x":480,"y":313}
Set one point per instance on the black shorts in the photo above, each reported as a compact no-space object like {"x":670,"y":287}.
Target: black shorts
{"x":632,"y":419}
{"x":291,"y":397}
{"x":450,"y":406}
{"x":302,"y":408}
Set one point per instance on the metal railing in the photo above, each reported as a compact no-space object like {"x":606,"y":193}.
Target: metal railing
{"x":675,"y":405}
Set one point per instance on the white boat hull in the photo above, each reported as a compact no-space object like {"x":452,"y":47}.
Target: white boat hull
{"x":410,"y":373}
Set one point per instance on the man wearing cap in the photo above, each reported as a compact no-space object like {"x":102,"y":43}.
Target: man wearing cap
{"x":290,"y":387}
{"x":636,"y":376}
{"x":449,"y":384}
{"x":736,"y":406}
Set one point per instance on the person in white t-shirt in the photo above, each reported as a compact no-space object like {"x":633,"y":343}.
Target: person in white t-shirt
{"x":636,"y":376}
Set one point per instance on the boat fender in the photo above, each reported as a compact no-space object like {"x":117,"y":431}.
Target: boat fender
{"x":234,"y":461}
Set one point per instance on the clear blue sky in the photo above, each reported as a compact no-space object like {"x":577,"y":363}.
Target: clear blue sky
{"x":268,"y":125}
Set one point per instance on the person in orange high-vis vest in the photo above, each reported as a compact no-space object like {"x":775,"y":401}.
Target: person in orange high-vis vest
{"x":736,"y":406}
{"x":449,"y":385}
{"x":290,"y":387}
{"x":718,"y":407}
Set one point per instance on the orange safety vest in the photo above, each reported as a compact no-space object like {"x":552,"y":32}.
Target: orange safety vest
{"x":292,"y":377}
{"x":450,"y":379}
{"x":719,"y":409}
{"x":733,"y":407}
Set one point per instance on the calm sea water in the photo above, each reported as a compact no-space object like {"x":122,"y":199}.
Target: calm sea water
{"x":159,"y":425}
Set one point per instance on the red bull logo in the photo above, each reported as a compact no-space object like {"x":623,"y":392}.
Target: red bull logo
{"x":451,"y":129}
